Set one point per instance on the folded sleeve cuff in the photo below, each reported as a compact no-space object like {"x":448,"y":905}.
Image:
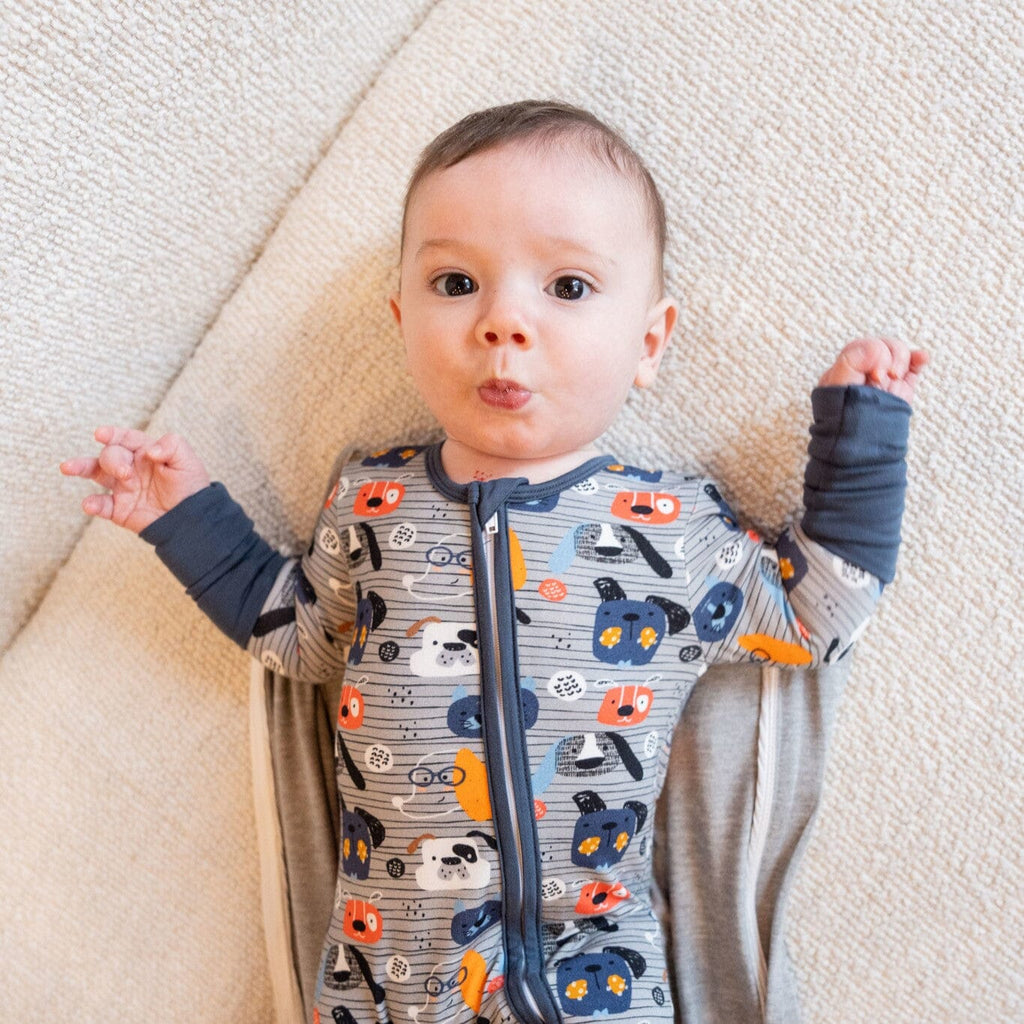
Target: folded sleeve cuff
{"x":855,"y":481}
{"x":210,"y":545}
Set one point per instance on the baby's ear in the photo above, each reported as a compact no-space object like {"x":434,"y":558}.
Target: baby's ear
{"x":661,"y":321}
{"x":395,"y":302}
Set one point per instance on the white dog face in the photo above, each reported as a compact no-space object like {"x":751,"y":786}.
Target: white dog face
{"x":432,"y":785}
{"x":448,"y":575}
{"x":452,"y":864}
{"x":449,"y":649}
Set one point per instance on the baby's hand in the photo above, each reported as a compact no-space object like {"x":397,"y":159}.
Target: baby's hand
{"x":144,"y":478}
{"x":881,"y":362}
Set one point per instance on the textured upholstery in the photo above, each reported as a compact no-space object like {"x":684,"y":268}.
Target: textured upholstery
{"x":200,"y":211}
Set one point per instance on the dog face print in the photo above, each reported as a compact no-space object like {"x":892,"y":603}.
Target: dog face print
{"x":393,"y":458}
{"x":448,"y":649}
{"x":447,"y":573}
{"x":338,"y":972}
{"x":363,"y":546}
{"x":607,"y":544}
{"x":597,"y":984}
{"x":351,"y":708}
{"x":586,"y":755}
{"x":717,"y":611}
{"x":378,"y":498}
{"x":362,"y":922}
{"x":361,"y":832}
{"x":646,"y":507}
{"x":452,"y":864}
{"x":629,"y":632}
{"x":443,"y":782}
{"x":444,"y":991}
{"x":469,"y":922}
{"x":599,"y":897}
{"x":433,"y":782}
{"x":603,"y":834}
{"x":625,"y":705}
{"x":465,"y":718}
{"x":370,"y":613}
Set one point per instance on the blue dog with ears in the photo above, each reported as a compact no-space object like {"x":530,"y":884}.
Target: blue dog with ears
{"x":597,"y":984}
{"x":602,"y":834}
{"x":630,"y":632}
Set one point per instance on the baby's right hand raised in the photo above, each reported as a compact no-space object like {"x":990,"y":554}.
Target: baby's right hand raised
{"x":143,"y":478}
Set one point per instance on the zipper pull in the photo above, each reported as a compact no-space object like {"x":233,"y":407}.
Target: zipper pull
{"x":491,"y":526}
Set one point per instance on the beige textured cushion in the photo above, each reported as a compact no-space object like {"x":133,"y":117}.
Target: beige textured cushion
{"x":829,"y":169}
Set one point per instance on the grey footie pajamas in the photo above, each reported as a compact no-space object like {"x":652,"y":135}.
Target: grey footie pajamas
{"x":516,"y":658}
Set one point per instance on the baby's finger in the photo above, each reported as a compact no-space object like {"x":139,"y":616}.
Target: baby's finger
{"x":868,"y":356}
{"x":88,"y":468}
{"x":169,"y":450}
{"x":99,"y":505}
{"x":899,"y":358}
{"x":116,"y":462}
{"x":126,"y":437}
{"x":83,"y":466}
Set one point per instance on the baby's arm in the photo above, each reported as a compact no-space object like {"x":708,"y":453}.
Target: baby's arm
{"x":806,"y":600}
{"x":258,"y":597}
{"x":295,"y":615}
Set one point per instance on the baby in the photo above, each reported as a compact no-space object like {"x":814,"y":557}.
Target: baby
{"x":521,"y":615}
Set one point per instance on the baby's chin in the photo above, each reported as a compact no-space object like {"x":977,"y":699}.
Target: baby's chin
{"x":487,"y":460}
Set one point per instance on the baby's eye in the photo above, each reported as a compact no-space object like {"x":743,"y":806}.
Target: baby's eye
{"x":454,"y":284}
{"x":569,"y":288}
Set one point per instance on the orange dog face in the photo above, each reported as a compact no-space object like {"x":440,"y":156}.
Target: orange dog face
{"x":378,"y":498}
{"x":625,"y":705}
{"x":646,"y":507}
{"x":350,"y":707}
{"x":362,"y":921}
{"x":597,"y":897}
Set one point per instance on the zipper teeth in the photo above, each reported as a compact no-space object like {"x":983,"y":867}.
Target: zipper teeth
{"x":491,"y":530}
{"x":764,"y":794}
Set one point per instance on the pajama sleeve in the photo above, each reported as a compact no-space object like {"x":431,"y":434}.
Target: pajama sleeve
{"x":807,"y":599}
{"x":295,"y":614}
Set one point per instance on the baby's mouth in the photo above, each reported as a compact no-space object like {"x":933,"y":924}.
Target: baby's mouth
{"x":504,"y":394}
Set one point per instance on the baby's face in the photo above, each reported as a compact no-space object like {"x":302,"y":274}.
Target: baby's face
{"x":530,"y":301}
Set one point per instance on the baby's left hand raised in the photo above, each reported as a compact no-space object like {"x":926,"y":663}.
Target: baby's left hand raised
{"x":881,"y":362}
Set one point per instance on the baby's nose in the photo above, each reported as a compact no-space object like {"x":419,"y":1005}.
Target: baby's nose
{"x":516,"y":337}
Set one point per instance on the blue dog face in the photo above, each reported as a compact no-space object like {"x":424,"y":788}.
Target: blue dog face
{"x":469,"y":922}
{"x":717,"y":612}
{"x":394,"y":458}
{"x":629,"y":632}
{"x":602,"y":834}
{"x":598,"y":984}
{"x":465,"y":717}
{"x":370,"y":613}
{"x":360,"y":833}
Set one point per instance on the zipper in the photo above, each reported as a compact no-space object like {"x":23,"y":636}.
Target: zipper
{"x":764,"y":795}
{"x":508,"y":771}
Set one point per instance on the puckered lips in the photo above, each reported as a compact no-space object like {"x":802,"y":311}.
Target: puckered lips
{"x":504,"y":394}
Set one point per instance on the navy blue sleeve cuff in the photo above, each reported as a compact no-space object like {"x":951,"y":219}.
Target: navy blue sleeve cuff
{"x":856,"y":476}
{"x":210,"y":545}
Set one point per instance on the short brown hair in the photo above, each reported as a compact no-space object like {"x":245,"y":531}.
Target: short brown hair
{"x":541,"y":121}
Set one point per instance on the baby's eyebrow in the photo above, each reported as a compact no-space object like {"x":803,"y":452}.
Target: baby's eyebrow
{"x":547,"y":244}
{"x":436,"y":243}
{"x":577,"y":248}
